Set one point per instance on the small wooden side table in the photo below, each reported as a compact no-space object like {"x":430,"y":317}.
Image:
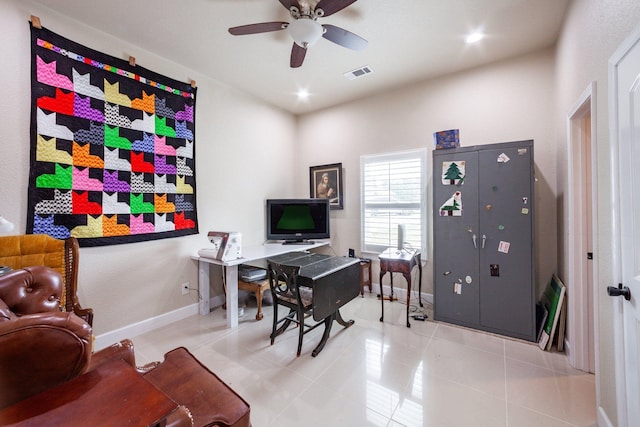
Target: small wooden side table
{"x":365,"y":275}
{"x":393,"y":260}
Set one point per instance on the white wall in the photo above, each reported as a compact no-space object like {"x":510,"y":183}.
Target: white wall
{"x":506,"y":101}
{"x":592,"y":32}
{"x":236,"y":138}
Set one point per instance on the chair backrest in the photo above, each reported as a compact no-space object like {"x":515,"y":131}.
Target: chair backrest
{"x":29,"y":290}
{"x":40,"y":249}
{"x":283,"y":281}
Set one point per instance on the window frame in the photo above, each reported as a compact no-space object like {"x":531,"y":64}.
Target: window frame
{"x":386,"y":158}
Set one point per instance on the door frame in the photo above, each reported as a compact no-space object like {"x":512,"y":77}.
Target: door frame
{"x":616,"y":238}
{"x":580,"y":313}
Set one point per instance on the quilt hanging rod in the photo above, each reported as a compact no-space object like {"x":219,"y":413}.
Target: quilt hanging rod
{"x":35,"y":21}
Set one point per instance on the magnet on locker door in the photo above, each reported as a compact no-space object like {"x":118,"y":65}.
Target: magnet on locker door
{"x":504,"y":247}
{"x":494,"y":269}
{"x":453,"y":206}
{"x":457,"y":288}
{"x":453,"y":173}
{"x":503,"y":158}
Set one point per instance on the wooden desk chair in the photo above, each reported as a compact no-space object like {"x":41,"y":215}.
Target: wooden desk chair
{"x":283,"y":281}
{"x":27,"y":250}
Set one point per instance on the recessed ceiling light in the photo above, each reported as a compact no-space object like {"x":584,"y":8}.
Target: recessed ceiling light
{"x":474,"y":37}
{"x":302,"y":94}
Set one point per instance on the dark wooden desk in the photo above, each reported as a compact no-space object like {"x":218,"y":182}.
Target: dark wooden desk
{"x":395,"y":261}
{"x":114,"y":394}
{"x":335,"y":281}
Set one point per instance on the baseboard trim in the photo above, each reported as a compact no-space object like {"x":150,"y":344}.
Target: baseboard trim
{"x":603,"y":419}
{"x":147,"y":325}
{"x":401,"y":293}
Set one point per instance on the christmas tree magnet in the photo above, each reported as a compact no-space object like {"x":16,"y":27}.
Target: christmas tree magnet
{"x":453,"y":173}
{"x":453,"y":206}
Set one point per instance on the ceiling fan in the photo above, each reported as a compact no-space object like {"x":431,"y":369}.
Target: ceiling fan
{"x":305,"y":29}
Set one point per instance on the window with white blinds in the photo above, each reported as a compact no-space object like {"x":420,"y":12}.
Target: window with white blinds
{"x":393,"y":192}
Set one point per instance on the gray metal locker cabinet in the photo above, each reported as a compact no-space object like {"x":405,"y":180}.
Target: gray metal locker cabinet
{"x":484,"y":269}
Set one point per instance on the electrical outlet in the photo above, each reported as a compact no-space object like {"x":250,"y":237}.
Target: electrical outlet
{"x":185,"y":288}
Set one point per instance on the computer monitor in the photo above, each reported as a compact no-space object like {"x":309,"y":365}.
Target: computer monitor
{"x":297,"y":220}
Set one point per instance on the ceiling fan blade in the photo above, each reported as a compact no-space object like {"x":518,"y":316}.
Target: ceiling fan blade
{"x":297,"y":55}
{"x":329,"y":7}
{"x":263,"y":27}
{"x":343,"y":37}
{"x":289,"y":3}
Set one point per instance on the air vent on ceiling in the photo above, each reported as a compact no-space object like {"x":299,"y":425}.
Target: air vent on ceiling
{"x":359,"y":72}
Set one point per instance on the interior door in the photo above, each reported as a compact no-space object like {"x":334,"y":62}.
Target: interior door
{"x":627,"y":74}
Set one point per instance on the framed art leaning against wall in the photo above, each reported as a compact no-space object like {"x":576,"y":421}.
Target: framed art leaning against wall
{"x":326,"y":183}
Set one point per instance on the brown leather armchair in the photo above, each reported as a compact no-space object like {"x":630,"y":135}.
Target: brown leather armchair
{"x":62,"y":255}
{"x":42,"y":347}
{"x":30,"y":321}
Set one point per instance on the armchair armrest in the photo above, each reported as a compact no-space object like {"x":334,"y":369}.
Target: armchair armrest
{"x":85,"y":314}
{"x":67,"y":322}
{"x":39,"y":351}
{"x":120,"y":350}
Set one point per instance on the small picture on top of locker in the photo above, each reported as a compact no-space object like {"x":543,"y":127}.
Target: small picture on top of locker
{"x":446,"y":139}
{"x":453,"y":172}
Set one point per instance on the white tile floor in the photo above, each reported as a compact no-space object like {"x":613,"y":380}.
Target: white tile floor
{"x":383,"y":374}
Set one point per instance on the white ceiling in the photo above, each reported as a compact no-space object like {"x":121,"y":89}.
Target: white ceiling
{"x":409,"y":41}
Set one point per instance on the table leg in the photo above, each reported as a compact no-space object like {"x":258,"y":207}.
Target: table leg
{"x":381,"y":297}
{"x":328,"y":322}
{"x":408,"y":279}
{"x":203,"y":287}
{"x":420,"y":283}
{"x":342,"y":322}
{"x":231,"y":282}
{"x":391,"y":294}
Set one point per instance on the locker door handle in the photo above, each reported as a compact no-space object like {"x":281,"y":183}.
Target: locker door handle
{"x":484,"y":239}
{"x":475,"y":243}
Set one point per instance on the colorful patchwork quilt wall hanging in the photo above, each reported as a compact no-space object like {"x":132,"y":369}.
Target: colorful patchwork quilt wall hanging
{"x":112,"y":147}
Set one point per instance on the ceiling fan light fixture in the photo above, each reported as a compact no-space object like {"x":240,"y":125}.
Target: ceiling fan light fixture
{"x":305,"y":31}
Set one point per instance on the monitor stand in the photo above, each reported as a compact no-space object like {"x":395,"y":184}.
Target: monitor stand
{"x":298,"y":242}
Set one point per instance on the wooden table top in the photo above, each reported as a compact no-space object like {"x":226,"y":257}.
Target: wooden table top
{"x":114,"y":394}
{"x":393,"y":254}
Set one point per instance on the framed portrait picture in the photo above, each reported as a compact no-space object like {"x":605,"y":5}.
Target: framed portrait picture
{"x":326,"y":183}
